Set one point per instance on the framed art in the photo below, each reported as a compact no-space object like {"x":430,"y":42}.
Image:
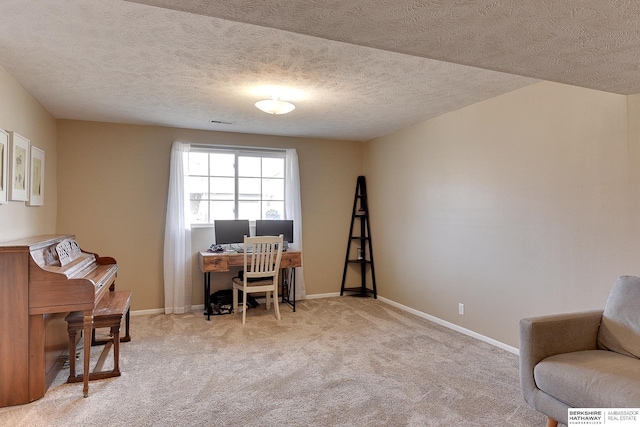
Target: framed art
{"x":4,"y":156}
{"x":36,"y":183}
{"x":19,"y":167}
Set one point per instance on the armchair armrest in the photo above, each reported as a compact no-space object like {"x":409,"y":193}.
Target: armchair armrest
{"x":541,"y":337}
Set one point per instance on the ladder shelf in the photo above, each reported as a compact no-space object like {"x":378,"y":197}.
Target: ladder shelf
{"x":364,"y":250}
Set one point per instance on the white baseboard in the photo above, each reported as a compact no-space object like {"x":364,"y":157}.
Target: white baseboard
{"x":434,"y":319}
{"x":145,"y":312}
{"x":318,"y":296}
{"x":452,"y":326}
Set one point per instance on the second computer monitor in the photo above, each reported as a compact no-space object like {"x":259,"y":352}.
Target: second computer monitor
{"x":229,"y":231}
{"x":275,"y":227}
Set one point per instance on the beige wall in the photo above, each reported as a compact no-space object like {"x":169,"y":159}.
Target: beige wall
{"x":21,"y":113}
{"x":517,"y":206}
{"x":633,"y":105}
{"x":113,"y":180}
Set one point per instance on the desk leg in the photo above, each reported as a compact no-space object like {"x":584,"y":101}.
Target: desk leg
{"x":207,"y":295}
{"x":288,"y":282}
{"x":283,"y":286}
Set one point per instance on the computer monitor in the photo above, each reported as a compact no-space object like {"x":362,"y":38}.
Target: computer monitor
{"x":230,"y":231}
{"x":275,"y":227}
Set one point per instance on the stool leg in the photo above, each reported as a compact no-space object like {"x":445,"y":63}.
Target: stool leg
{"x":126,"y":337}
{"x":115,"y":331}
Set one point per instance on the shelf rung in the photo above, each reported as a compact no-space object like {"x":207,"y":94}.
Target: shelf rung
{"x":359,"y":290}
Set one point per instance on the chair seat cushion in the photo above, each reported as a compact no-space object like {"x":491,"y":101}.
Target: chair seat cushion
{"x":591,"y":379}
{"x":264,"y":282}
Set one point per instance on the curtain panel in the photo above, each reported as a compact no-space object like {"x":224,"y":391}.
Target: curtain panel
{"x":177,"y":236}
{"x":293,"y":210}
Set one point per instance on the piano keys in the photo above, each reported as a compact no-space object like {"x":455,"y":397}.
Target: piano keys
{"x":42,"y":279}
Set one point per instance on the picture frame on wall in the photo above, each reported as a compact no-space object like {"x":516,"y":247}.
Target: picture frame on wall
{"x":19,"y":167}
{"x":36,"y":183}
{"x":4,"y":162}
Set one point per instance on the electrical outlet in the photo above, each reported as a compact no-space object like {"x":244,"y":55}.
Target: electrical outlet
{"x":461,"y":308}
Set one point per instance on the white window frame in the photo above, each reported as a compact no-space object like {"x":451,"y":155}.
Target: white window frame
{"x":237,"y":152}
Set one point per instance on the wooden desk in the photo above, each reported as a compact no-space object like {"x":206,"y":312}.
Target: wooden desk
{"x":216,"y":262}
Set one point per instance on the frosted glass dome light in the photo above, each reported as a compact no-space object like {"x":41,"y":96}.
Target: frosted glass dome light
{"x":275,"y":106}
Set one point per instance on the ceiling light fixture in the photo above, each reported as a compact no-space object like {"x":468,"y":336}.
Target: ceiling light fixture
{"x":275,"y":106}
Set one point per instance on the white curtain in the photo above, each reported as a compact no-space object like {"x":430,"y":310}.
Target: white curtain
{"x":293,"y":210}
{"x":177,"y":236}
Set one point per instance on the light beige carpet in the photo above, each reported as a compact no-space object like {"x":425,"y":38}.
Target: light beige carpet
{"x":335,"y":362}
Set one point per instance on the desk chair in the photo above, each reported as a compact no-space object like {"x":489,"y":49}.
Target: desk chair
{"x":261,"y":268}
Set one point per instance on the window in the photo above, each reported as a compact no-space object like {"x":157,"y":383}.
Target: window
{"x":235,"y":184}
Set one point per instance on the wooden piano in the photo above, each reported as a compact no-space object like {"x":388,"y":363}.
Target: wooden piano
{"x":42,"y":279}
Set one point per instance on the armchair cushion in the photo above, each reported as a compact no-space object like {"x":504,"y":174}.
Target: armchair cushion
{"x":620,"y":328}
{"x":590,"y":379}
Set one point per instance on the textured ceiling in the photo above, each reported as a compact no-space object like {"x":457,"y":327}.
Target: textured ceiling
{"x":589,"y":43}
{"x":355,"y":69}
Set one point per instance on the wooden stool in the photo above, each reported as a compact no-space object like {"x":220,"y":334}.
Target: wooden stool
{"x":107,"y":314}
